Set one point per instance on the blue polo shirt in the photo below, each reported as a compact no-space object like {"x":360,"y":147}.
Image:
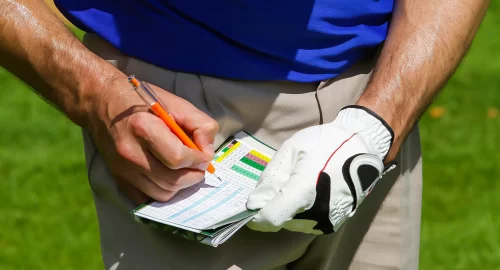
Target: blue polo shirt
{"x":297,"y":40}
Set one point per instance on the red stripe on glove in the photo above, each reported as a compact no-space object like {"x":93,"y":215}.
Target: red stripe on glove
{"x":328,"y":160}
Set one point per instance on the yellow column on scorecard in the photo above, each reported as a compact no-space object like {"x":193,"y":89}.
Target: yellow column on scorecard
{"x":228,"y":152}
{"x":259,"y":155}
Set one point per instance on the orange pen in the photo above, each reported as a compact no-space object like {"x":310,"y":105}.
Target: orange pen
{"x":149,"y":96}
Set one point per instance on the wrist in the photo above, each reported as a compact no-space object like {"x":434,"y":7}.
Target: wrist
{"x":72,"y":78}
{"x":106,"y":100}
{"x":86,"y":98}
{"x":85,"y":85}
{"x":393,"y":118}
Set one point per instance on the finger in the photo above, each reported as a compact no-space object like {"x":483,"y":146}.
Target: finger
{"x":276,"y":173}
{"x":176,"y":180}
{"x":204,"y":137}
{"x":150,"y":188}
{"x":166,"y":146}
{"x":292,"y":197}
{"x":168,"y":179}
{"x":133,"y":193}
{"x":202,"y":127}
{"x":279,"y":170}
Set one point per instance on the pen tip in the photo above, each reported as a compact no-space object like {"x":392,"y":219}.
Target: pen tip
{"x":216,"y":176}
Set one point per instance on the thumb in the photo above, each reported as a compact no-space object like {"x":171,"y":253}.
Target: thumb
{"x":196,"y":159}
{"x":200,"y":126}
{"x":204,"y":137}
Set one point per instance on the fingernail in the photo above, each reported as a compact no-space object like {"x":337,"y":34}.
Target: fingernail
{"x":203,"y":166}
{"x":210,"y":149}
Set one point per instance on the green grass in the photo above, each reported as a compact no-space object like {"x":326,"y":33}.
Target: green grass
{"x":461,"y":226}
{"x":47,"y":217}
{"x":48,"y":221}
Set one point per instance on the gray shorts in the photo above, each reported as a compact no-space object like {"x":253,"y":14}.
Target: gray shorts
{"x":383,"y":234}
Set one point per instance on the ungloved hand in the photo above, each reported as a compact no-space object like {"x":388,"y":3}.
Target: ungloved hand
{"x":320,"y":175}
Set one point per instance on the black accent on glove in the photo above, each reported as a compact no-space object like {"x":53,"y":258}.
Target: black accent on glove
{"x":348,"y":180}
{"x":367,"y":174}
{"x":320,"y":211}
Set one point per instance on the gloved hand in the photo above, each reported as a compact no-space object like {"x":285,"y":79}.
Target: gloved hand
{"x":320,"y":175}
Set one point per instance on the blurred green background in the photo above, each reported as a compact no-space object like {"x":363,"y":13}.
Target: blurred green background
{"x":48,"y":220}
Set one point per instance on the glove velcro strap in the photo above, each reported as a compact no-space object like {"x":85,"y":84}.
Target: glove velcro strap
{"x":361,"y":173}
{"x":364,"y":121}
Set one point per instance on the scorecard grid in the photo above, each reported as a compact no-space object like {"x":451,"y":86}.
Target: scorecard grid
{"x":202,"y":205}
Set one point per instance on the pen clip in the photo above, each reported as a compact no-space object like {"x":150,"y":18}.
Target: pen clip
{"x":147,"y":93}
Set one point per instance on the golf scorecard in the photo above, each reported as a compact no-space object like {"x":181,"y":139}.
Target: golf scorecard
{"x":213,"y":210}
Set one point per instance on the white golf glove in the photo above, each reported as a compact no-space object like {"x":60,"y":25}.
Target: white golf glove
{"x":320,"y":175}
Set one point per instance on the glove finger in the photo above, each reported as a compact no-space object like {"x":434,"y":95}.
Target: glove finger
{"x":282,"y":164}
{"x":276,"y":173}
{"x":294,"y":196}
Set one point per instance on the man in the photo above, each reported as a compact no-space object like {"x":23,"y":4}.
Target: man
{"x":336,"y":86}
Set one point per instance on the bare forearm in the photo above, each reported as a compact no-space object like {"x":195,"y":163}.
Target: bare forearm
{"x":37,"y":48}
{"x":426,"y":42}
